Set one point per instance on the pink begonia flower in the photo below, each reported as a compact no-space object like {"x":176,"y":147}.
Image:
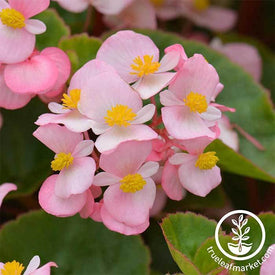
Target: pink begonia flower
{"x":71,"y":159}
{"x":197,"y":170}
{"x":5,"y":188}
{"x":32,"y":268}
{"x":8,"y":99}
{"x":204,"y":15}
{"x":136,"y":59}
{"x":17,"y":31}
{"x":183,"y":57}
{"x":116,"y":111}
{"x":268,"y":265}
{"x":188,"y":112}
{"x":243,"y":54}
{"x":68,"y":113}
{"x":227,"y":135}
{"x":42,"y":73}
{"x":103,"y":6}
{"x":139,"y":14}
{"x":131,"y":192}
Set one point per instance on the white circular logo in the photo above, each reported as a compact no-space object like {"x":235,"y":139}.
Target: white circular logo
{"x":240,"y":247}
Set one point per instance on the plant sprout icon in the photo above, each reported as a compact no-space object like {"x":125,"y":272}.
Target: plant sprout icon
{"x":241,"y":248}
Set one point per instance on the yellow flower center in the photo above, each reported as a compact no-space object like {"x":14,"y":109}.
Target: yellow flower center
{"x":132,"y":183}
{"x":12,"y":18}
{"x":207,"y":160}
{"x":61,"y":161}
{"x":145,"y":66}
{"x":201,"y":5}
{"x":12,"y":268}
{"x":120,"y":115}
{"x":196,"y":102}
{"x":157,"y":3}
{"x":71,"y":101}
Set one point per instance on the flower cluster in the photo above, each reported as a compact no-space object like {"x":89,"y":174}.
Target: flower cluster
{"x":111,"y":105}
{"x":24,"y":71}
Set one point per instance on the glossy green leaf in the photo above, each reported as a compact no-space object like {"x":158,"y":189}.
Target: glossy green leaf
{"x":78,"y":246}
{"x":85,"y":48}
{"x":56,"y":29}
{"x":253,"y":110}
{"x":24,"y":160}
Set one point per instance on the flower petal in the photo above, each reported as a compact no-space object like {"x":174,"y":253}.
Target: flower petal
{"x":88,"y":208}
{"x":5,"y":188}
{"x":45,"y":269}
{"x":145,"y":114}
{"x":35,"y":26}
{"x":83,"y":148}
{"x":169,"y":61}
{"x":105,"y":179}
{"x":211,"y":114}
{"x":268,"y":266}
{"x":167,"y":98}
{"x":74,"y":5}
{"x":33,"y":265}
{"x":148,"y":169}
{"x":110,"y":6}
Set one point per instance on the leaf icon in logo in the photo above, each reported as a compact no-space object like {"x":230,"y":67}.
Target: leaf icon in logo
{"x":240,"y":218}
{"x":234,"y":222}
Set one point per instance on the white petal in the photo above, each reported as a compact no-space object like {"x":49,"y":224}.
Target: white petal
{"x":145,"y":114}
{"x":35,"y":26}
{"x":148,"y":169}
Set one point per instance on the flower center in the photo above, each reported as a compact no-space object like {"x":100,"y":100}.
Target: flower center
{"x":196,"y":102}
{"x":145,"y":66}
{"x":61,"y":161}
{"x":157,"y":3}
{"x":12,"y":268}
{"x":207,"y":160}
{"x":120,"y":115}
{"x":132,"y":183}
{"x":201,"y":5}
{"x":12,"y":18}
{"x":71,"y":101}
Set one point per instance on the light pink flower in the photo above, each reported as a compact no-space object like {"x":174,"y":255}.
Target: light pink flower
{"x":197,"y":170}
{"x":32,"y":268}
{"x":268,"y":265}
{"x":115,"y":111}
{"x":5,"y":188}
{"x":68,"y":113}
{"x":188,"y":112}
{"x":131,"y":192}
{"x":76,"y":169}
{"x":139,"y":14}
{"x":136,"y":59}
{"x":243,"y":54}
{"x":103,"y":6}
{"x":17,"y":31}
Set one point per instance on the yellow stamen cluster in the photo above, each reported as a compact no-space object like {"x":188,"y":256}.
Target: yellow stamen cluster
{"x":196,"y":102}
{"x":62,"y":160}
{"x":132,"y":183}
{"x":70,"y":101}
{"x":12,"y":18}
{"x":120,"y":115}
{"x":201,"y":5}
{"x":12,"y":268}
{"x":145,"y":66}
{"x":207,"y":160}
{"x":157,"y":3}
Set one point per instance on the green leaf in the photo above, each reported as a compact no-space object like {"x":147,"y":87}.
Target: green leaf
{"x":253,"y":109}
{"x":85,"y":48}
{"x":184,"y":234}
{"x":78,"y":246}
{"x":24,"y":160}
{"x":56,"y":29}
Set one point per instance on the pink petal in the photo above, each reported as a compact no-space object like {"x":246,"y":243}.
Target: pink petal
{"x":62,"y":62}
{"x":5,"y":188}
{"x":169,"y":10}
{"x":10,"y":39}
{"x":74,"y":5}
{"x":105,"y":179}
{"x":130,"y":208}
{"x":148,"y":169}
{"x":110,"y":6}
{"x":75,"y":179}
{"x":35,"y":26}
{"x":151,"y":84}
{"x":57,"y":108}
{"x":4,"y":4}
{"x":116,"y":135}
{"x":183,"y":124}
{"x":169,"y":61}
{"x":180,"y":50}
{"x":96,"y":215}
{"x":58,"y":206}
{"x":211,"y":114}
{"x":145,"y":114}
{"x":96,"y":191}
{"x":29,"y":8}
{"x":35,"y":75}
{"x":83,"y":148}
{"x":268,"y":265}
{"x":120,"y":49}
{"x":45,"y":269}
{"x":126,"y":159}
{"x":57,"y":138}
{"x":196,"y":181}
{"x":182,"y":158}
{"x":159,"y":202}
{"x":167,"y":98}
{"x":121,"y":227}
{"x":33,"y":265}
{"x":218,"y":89}
{"x":98,"y":128}
{"x":223,"y":108}
{"x":170,"y":182}
{"x":88,"y":208}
